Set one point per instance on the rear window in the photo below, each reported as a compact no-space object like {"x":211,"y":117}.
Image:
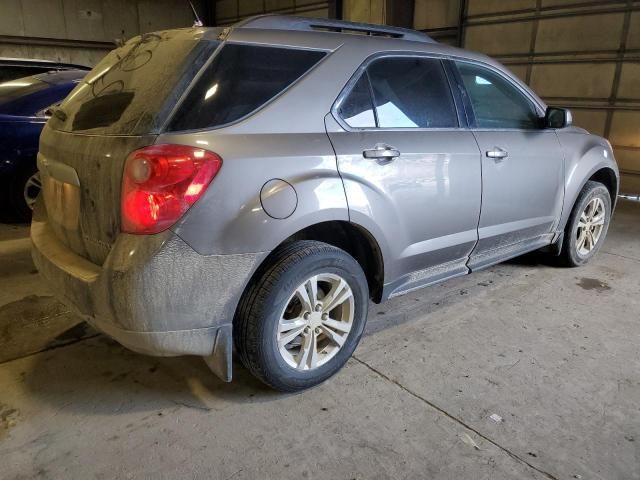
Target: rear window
{"x":133,"y":89}
{"x":239,"y":80}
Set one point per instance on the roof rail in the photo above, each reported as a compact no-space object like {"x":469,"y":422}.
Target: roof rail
{"x":286,"y":22}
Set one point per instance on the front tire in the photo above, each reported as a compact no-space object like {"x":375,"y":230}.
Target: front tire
{"x":587,"y":226}
{"x":301,"y":319}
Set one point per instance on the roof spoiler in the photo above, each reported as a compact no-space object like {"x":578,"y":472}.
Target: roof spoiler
{"x":286,"y":22}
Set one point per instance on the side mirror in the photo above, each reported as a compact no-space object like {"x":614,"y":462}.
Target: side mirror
{"x":558,"y":118}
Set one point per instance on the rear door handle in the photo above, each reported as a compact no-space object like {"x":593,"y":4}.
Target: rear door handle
{"x":497,"y":152}
{"x":382,"y":151}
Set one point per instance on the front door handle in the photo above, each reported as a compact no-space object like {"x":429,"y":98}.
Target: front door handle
{"x":497,"y":152}
{"x":382,"y":151}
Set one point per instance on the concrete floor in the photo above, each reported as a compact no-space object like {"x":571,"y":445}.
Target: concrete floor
{"x":551,"y":354}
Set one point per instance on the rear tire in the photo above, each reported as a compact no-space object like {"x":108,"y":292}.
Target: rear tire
{"x":301,"y":319}
{"x":587,"y":226}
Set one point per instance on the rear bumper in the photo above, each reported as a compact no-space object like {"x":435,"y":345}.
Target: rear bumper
{"x":154,"y":294}
{"x":215,"y":344}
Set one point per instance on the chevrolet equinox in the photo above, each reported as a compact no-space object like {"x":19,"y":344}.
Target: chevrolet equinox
{"x":253,"y":188}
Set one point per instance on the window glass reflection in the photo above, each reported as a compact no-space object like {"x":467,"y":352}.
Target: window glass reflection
{"x":412,"y":92}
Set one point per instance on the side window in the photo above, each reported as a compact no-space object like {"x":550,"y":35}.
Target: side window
{"x":496,"y":102}
{"x":412,"y":92}
{"x":357,"y":108}
{"x":239,"y":80}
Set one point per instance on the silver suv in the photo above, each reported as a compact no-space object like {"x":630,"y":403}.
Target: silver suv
{"x":255,"y":187}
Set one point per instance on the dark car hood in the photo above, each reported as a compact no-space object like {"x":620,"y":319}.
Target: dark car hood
{"x":16,"y":119}
{"x":35,"y":96}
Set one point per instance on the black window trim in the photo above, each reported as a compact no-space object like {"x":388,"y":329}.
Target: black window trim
{"x":458,"y":95}
{"x":371,"y":97}
{"x":539,"y":109}
{"x":214,"y":54}
{"x":362,"y":69}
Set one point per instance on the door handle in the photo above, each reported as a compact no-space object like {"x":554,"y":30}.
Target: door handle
{"x":497,"y":152}
{"x":381,"y":151}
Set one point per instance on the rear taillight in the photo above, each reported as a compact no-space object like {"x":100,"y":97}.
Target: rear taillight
{"x":161,"y":182}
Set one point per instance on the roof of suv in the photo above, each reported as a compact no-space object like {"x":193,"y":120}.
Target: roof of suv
{"x":332,"y":34}
{"x":287,"y":22}
{"x":360,"y":39}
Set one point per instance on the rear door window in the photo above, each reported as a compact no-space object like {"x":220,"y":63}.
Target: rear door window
{"x":240,"y":79}
{"x":357,"y":107}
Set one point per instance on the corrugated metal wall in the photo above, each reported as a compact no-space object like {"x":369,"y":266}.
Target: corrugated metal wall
{"x":582,"y":54}
{"x":82,"y":31}
{"x":230,"y":11}
{"x":440,"y":18}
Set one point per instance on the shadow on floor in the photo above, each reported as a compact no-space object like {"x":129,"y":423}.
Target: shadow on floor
{"x":38,"y":323}
{"x":100,"y":376}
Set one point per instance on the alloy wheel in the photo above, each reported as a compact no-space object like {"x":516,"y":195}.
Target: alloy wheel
{"x":32,"y":189}
{"x":590,"y":226}
{"x":316,"y":321}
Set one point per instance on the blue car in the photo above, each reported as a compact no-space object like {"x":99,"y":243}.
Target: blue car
{"x":25,"y":106}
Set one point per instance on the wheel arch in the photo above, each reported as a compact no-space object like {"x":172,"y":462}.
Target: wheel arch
{"x":353,"y":239}
{"x":589,"y":158}
{"x":602,"y":174}
{"x":607,"y":177}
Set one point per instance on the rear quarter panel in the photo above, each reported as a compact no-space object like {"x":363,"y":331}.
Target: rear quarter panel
{"x":230,"y":218}
{"x":285,"y":139}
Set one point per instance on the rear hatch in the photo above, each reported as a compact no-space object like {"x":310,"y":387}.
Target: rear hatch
{"x":120,"y":106}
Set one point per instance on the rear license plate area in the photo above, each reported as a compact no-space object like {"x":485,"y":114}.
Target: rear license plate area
{"x":62,"y":201}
